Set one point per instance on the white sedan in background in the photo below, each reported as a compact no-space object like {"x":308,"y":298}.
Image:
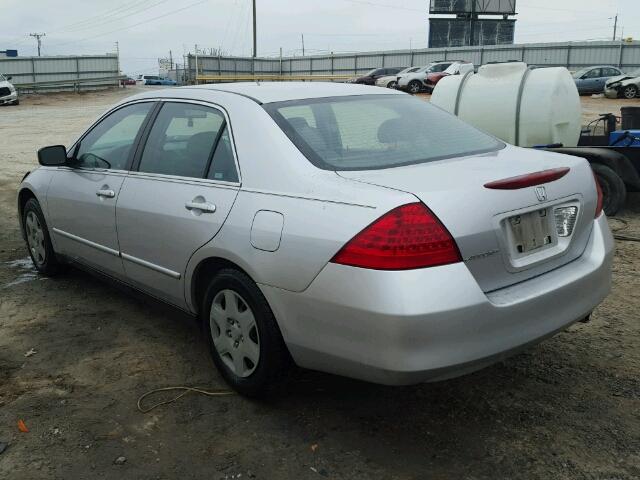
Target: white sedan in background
{"x":626,"y":86}
{"x":390,"y":81}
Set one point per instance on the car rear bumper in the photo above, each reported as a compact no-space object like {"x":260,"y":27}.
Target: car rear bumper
{"x":413,"y":326}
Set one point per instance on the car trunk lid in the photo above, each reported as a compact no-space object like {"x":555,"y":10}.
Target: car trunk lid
{"x":509,"y":235}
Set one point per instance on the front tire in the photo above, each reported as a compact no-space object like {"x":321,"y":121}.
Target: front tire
{"x":244,"y":339}
{"x":614,"y":191}
{"x":415,"y":86}
{"x":391,"y":84}
{"x":39,"y":245}
{"x":630,"y":91}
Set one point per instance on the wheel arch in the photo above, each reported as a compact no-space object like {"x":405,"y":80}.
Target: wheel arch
{"x":24,"y":195}
{"x":205,"y":270}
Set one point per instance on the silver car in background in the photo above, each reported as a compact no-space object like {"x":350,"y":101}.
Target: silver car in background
{"x":356,"y":231}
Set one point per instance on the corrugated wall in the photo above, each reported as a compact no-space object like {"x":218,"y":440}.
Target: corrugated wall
{"x":573,"y":55}
{"x":29,"y":70}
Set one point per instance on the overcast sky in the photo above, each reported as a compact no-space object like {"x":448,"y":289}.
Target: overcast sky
{"x":148,"y":29}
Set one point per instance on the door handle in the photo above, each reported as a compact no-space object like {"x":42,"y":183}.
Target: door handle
{"x":106,"y":193}
{"x":204,"y":207}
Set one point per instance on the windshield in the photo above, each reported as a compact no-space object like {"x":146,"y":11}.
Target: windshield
{"x":580,"y":73}
{"x":376,"y":131}
{"x":453,"y":69}
{"x":370,"y":72}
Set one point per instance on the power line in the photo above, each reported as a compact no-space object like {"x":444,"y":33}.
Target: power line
{"x":114,"y":17}
{"x":386,"y":5}
{"x":134,"y":24}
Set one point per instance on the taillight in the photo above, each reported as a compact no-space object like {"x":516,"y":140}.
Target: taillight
{"x":600,"y":198}
{"x":407,"y":237}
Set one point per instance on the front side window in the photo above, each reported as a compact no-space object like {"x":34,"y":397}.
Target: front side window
{"x":182,"y":140}
{"x":595,"y":73}
{"x":109,"y":144}
{"x":376,"y":131}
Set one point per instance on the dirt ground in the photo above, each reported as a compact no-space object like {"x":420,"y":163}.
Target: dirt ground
{"x":76,"y":353}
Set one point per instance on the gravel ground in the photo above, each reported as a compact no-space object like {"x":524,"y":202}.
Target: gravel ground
{"x":76,"y":353}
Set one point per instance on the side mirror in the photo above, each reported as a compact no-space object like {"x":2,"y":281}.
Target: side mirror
{"x":53,"y":156}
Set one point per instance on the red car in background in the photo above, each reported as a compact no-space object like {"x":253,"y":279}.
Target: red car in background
{"x":456,"y":68}
{"x":127,"y":81}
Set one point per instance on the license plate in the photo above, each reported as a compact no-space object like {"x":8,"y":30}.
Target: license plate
{"x":530,"y":231}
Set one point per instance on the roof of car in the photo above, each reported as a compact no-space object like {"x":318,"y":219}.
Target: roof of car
{"x":268,"y":92}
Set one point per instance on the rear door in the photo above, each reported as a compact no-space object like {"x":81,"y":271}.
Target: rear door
{"x":184,"y":183}
{"x":82,"y":197}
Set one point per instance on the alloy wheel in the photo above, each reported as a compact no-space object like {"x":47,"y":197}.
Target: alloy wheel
{"x":234,"y":332}
{"x":35,"y":238}
{"x":630,"y":92}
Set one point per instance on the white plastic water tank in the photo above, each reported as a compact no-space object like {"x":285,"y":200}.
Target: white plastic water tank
{"x":520,"y":106}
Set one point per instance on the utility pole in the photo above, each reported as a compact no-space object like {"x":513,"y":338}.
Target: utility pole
{"x":118,"y":56}
{"x":170,"y":60}
{"x":38,"y":37}
{"x":255,"y":39}
{"x":615,"y":27}
{"x":302,"y":34}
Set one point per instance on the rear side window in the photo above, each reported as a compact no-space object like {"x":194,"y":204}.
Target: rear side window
{"x":376,"y":131}
{"x":185,"y":140}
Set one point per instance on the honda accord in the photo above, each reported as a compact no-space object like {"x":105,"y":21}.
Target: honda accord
{"x":350,"y":230}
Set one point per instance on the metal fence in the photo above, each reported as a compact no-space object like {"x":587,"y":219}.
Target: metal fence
{"x":573,"y":55}
{"x":62,"y":72}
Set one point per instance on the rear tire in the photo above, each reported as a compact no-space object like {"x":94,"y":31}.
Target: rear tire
{"x":630,"y":91}
{"x":39,"y":245}
{"x":614,"y":191}
{"x":244,"y":339}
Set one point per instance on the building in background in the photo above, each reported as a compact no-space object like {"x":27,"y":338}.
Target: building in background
{"x":462,"y":23}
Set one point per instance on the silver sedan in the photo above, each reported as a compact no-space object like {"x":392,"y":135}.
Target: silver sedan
{"x":351,"y":230}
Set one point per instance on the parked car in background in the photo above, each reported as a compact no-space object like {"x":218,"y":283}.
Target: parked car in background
{"x":434,"y":249}
{"x":127,"y":81}
{"x":390,"y":81}
{"x":593,"y":79}
{"x":626,"y":85}
{"x":370,"y":77}
{"x":415,"y":82}
{"x":8,"y":93}
{"x":456,"y":68}
{"x":154,"y":80}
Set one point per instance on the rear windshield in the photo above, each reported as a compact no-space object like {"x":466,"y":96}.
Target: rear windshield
{"x":376,"y":131}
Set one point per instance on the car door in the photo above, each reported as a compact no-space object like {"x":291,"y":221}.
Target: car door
{"x":182,"y":187}
{"x":82,"y":196}
{"x":591,"y":80}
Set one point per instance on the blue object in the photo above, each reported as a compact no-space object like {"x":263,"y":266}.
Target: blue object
{"x":10,"y":53}
{"x":625,"y":138}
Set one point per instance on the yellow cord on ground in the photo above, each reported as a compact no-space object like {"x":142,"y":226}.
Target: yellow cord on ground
{"x":185,"y":390}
